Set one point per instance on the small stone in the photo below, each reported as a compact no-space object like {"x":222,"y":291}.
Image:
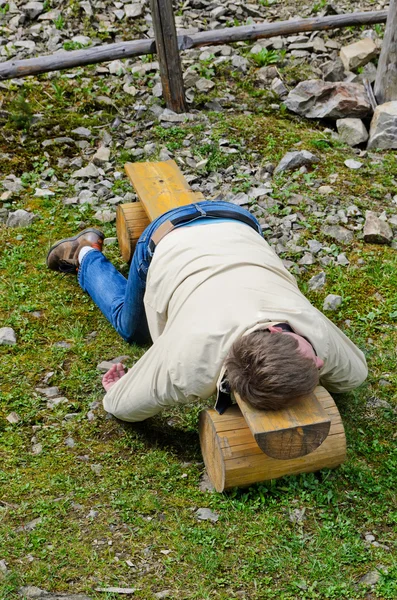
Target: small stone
{"x":353,"y":164}
{"x":116,"y":590}
{"x":278,"y":87}
{"x":130,"y":89}
{"x":314,"y":246}
{"x":116,"y":67}
{"x":53,"y":402}
{"x":325,"y":190}
{"x":383,"y":130}
{"x":13,"y":418}
{"x":92,"y":514}
{"x":352,"y":131}
{"x":333,"y":70}
{"x":342,"y":260}
{"x":370,"y":578}
{"x":240,"y":63}
{"x":376,"y":231}
{"x":101,"y":156}
{"x":296,"y":159}
{"x":49,"y":392}
{"x":90,"y":171}
{"x":307,"y":259}
{"x":105,"y":216}
{"x":317,"y":282}
{"x":37,"y":449}
{"x":7,"y":336}
{"x":204,"y":85}
{"x":33,"y":9}
{"x":338,"y":233}
{"x":358,"y":54}
{"x":20,"y":218}
{"x":297,"y":515}
{"x":316,"y":99}
{"x":163,"y":594}
{"x":171,"y":117}
{"x":376,"y":402}
{"x":267,"y":74}
{"x":69,"y":442}
{"x":205,"y":514}
{"x":133,"y":10}
{"x":31,"y":591}
{"x":369,"y":537}
{"x":332,"y":302}
{"x":205,"y":483}
{"x":82,"y":132}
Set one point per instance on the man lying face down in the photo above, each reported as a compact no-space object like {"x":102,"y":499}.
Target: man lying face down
{"x":220,"y":309}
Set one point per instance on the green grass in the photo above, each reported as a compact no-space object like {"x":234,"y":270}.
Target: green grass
{"x":146,"y":493}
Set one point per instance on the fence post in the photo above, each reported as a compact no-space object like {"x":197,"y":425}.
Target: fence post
{"x":386,"y":74}
{"x":168,"y":55}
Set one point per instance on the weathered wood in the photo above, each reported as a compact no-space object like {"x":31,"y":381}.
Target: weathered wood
{"x":131,"y":221}
{"x":233,"y":458}
{"x":160,"y":186}
{"x":290,"y":432}
{"x":108,"y":52}
{"x":386,"y":74}
{"x":168,"y":55}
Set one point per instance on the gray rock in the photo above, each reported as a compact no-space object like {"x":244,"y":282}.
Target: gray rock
{"x":376,"y":231}
{"x":105,"y":216}
{"x":82,"y":132}
{"x":358,"y":54}
{"x":332,"y":302}
{"x":376,"y":402}
{"x":32,"y":9}
{"x":172,"y":117}
{"x":317,"y":282}
{"x":342,"y":260}
{"x":353,"y":164}
{"x":7,"y":336}
{"x":314,"y":246}
{"x":20,"y":218}
{"x":13,"y":418}
{"x":240,"y":63}
{"x":133,"y":10}
{"x":371,"y":578}
{"x":278,"y":87}
{"x":101,"y":156}
{"x":307,"y":259}
{"x":33,"y":592}
{"x":267,"y":74}
{"x":53,"y":402}
{"x":69,"y":442}
{"x":48,"y":392}
{"x":116,"y":590}
{"x":338,"y":233}
{"x":204,"y":85}
{"x":352,"y":131}
{"x":296,"y":159}
{"x":12,"y":184}
{"x":205,"y":514}
{"x":316,"y":99}
{"x":383,"y":130}
{"x":240,"y":199}
{"x":90,"y":171}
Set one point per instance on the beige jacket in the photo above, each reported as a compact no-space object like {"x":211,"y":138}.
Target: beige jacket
{"x":207,"y":285}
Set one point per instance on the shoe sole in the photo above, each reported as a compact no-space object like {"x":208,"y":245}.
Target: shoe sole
{"x":74,"y":238}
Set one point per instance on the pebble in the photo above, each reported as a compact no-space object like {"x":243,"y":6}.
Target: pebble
{"x":13,"y":418}
{"x":20,"y":218}
{"x":7,"y":336}
{"x":205,"y":514}
{"x":69,"y":442}
{"x":317,"y":282}
{"x":332,"y":302}
{"x":353,"y":164}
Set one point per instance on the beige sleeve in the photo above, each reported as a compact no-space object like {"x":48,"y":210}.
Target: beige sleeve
{"x":146,"y":389}
{"x":345,"y":365}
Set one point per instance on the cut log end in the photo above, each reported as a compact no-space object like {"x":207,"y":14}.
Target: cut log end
{"x":293,"y":442}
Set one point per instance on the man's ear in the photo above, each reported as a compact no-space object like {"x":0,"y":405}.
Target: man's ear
{"x":319,"y":363}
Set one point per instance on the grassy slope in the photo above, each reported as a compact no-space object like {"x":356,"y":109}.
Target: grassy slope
{"x":146,"y":493}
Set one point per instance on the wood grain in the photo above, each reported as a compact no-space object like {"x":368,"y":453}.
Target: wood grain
{"x":386,"y":74}
{"x":233,"y":458}
{"x":160,"y":186}
{"x":168,"y":55}
{"x":131,"y":221}
{"x":291,"y":432}
{"x":108,"y":52}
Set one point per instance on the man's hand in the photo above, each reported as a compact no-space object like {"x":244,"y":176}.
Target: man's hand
{"x":113,"y":375}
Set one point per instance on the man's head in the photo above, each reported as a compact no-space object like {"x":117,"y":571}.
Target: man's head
{"x":271,"y":368}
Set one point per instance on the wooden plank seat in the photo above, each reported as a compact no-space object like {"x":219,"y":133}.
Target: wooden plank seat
{"x":233,"y":458}
{"x":244,"y":445}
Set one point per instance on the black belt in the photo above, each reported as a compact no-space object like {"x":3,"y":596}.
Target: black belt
{"x":171,"y":224}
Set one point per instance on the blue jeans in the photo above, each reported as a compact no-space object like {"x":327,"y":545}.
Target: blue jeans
{"x":121,"y":299}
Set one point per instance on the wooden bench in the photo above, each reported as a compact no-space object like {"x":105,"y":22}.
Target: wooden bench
{"x":244,"y":445}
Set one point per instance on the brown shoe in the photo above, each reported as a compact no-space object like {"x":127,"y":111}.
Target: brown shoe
{"x":63,"y":256}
